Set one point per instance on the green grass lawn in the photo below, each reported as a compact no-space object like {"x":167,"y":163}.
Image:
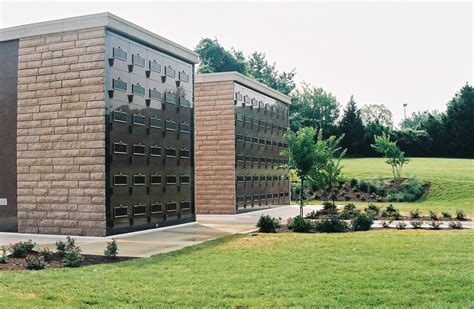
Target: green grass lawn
{"x":376,"y":268}
{"x":452,"y":181}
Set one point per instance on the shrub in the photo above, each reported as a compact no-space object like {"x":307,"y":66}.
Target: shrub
{"x":384,"y":213}
{"x":362,"y":222}
{"x":3,"y":256}
{"x":433,"y":215}
{"x":73,"y":258}
{"x":111,"y":250}
{"x":363,"y":186}
{"x":455,"y":225}
{"x":332,"y":225}
{"x":396,"y":215}
{"x":349,"y":211}
{"x":416,"y":224}
{"x":267,"y":224}
{"x":35,"y":262}
{"x":62,"y":247}
{"x":446,"y":215}
{"x":435,"y":225}
{"x":391,"y":210}
{"x":415,"y":213}
{"x":313,"y":214}
{"x":372,"y":210}
{"x":46,"y":254}
{"x":301,"y":225}
{"x":20,"y":249}
{"x":386,"y":224}
{"x":460,"y":215}
{"x":401,"y":225}
{"x":329,"y":208}
{"x":353,"y":182}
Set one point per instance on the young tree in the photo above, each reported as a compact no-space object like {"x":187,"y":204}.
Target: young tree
{"x":376,"y":113}
{"x":313,"y":107}
{"x":352,"y":127}
{"x":302,"y":156}
{"x":389,"y":149}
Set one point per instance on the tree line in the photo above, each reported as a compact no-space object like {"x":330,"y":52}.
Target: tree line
{"x":423,"y":134}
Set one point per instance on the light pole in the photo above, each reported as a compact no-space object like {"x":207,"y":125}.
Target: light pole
{"x":405,"y":110}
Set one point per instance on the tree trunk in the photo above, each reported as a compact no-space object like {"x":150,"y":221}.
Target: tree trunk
{"x":301,"y":196}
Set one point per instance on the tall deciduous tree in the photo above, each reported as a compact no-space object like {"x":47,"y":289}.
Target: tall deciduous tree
{"x":377,"y":113}
{"x":459,"y":122}
{"x":313,"y":107}
{"x":352,"y":127}
{"x":214,"y":57}
{"x":267,"y":73}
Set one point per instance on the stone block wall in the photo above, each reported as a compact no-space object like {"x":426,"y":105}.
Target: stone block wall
{"x":61,"y":133}
{"x":215,"y":148}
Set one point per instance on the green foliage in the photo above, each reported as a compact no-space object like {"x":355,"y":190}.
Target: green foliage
{"x":46,"y":254}
{"x":389,"y":149}
{"x":300,"y":225}
{"x":349,"y":211}
{"x":401,"y":225}
{"x":214,"y":57}
{"x":267,"y":73}
{"x":446,"y":215}
{"x":21,"y":248}
{"x":329,"y":208}
{"x":455,"y":225}
{"x":267,"y":224}
{"x":416,"y":213}
{"x":352,"y":128}
{"x":391,"y":210}
{"x":353,"y":182}
{"x":433,"y":215}
{"x":73,"y":257}
{"x":3,"y":255}
{"x":435,"y":225}
{"x":416,"y":224}
{"x":62,"y":247}
{"x":460,"y":215}
{"x":372,"y":209}
{"x":396,"y":215}
{"x":386,"y":224}
{"x":35,"y":262}
{"x":377,"y":113}
{"x":331,"y":225}
{"x":111,"y":250}
{"x":314,"y":107}
{"x":362,"y":222}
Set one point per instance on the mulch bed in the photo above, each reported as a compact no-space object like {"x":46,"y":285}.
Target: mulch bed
{"x":15,"y":263}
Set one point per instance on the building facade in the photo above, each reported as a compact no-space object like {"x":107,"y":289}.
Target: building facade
{"x":240,"y":160}
{"x":97,"y":128}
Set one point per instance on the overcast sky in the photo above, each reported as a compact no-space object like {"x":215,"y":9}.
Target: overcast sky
{"x":382,"y":53}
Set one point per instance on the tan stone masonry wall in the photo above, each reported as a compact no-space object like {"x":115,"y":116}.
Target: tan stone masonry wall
{"x":61,"y":133}
{"x":215,"y":148}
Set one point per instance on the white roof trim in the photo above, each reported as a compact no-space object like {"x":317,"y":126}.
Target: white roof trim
{"x":243,"y":80}
{"x":108,"y":20}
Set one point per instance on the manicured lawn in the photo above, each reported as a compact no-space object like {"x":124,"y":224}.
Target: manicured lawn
{"x":452,"y":181}
{"x":376,"y":268}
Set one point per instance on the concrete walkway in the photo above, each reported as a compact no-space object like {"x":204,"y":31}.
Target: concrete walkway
{"x":155,"y":241}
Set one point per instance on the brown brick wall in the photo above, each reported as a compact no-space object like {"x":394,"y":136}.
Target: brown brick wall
{"x":215,"y":148}
{"x":61,"y":133}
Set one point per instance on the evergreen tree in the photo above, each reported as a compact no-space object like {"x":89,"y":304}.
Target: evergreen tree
{"x":352,"y":127}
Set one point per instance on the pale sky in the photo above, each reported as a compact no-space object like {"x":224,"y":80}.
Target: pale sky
{"x":381,"y":52}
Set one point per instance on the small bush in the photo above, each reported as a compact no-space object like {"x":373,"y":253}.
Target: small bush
{"x":384,"y":213}
{"x":313,"y":214}
{"x":62,"y":247}
{"x":372,"y":209}
{"x":396,"y":215}
{"x":46,"y":254}
{"x":35,"y":262}
{"x":363,"y":186}
{"x":415,"y":214}
{"x":446,"y":215}
{"x":362,"y":222}
{"x":353,"y":182}
{"x":401,"y":225}
{"x":455,"y":225}
{"x":349,"y":211}
{"x":386,"y":224}
{"x":329,"y":208}
{"x":391,"y":210}
{"x":460,"y":215}
{"x":73,"y":258}
{"x":301,"y":225}
{"x":332,"y":225}
{"x":416,"y":224}
{"x":433,"y":215}
{"x":267,"y":224}
{"x":435,"y":225}
{"x":3,"y":256}
{"x":111,"y":250}
{"x":22,"y":248}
